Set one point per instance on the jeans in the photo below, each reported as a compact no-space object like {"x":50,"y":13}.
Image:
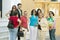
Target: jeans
{"x":52,"y":34}
{"x":13,"y":33}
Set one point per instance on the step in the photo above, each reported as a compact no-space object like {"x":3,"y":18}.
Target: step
{"x":4,"y":38}
{"x":3,"y":22}
{"x":3,"y":29}
{"x":4,"y":33}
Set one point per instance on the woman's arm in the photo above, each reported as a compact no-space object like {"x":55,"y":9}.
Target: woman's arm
{"x":54,"y":24}
{"x":8,"y":14}
{"x":19,"y":22}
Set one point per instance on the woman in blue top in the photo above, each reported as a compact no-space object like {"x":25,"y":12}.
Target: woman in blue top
{"x":33,"y":25}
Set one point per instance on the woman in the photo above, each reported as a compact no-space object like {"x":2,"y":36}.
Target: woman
{"x":15,"y":20}
{"x":39,"y":11}
{"x":42,"y":25}
{"x":52,"y":25}
{"x":24,"y":24}
{"x":33,"y":25}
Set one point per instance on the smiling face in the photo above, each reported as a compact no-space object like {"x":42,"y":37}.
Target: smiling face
{"x":34,"y":12}
{"x":51,"y":14}
{"x":14,"y":8}
{"x":25,"y":13}
{"x":39,"y":11}
{"x":40,"y":15}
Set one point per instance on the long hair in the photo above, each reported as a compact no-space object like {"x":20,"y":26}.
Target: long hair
{"x":14,"y":7}
{"x":33,"y":12}
{"x":38,"y":11}
{"x":12,"y":12}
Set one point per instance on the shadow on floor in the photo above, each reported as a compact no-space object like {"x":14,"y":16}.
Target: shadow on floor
{"x":57,"y":38}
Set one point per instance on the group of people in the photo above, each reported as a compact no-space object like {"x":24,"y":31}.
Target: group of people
{"x":38,"y":24}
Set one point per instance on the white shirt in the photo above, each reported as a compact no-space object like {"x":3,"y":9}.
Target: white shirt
{"x":44,"y":24}
{"x":19,"y":11}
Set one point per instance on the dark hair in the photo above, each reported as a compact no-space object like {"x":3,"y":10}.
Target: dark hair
{"x":15,"y":13}
{"x":19,"y":4}
{"x":51,"y":13}
{"x":33,"y":11}
{"x":14,"y":6}
{"x":38,"y":10}
{"x":12,"y":12}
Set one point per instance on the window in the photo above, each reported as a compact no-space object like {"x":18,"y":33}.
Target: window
{"x":53,"y":0}
{"x":0,"y":8}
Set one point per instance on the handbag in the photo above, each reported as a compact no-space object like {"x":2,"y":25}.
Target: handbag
{"x":20,"y":33}
{"x":10,"y":25}
{"x":39,"y":27}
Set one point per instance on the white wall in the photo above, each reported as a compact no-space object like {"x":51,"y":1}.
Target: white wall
{"x":7,"y":4}
{"x":58,"y":0}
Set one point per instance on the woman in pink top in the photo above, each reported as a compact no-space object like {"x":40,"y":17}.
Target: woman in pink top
{"x":24,"y":24}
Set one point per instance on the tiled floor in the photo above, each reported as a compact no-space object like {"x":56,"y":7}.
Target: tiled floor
{"x":57,"y":38}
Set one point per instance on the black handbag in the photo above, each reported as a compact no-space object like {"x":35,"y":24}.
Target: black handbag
{"x":20,"y":33}
{"x":39,"y":27}
{"x":10,"y":25}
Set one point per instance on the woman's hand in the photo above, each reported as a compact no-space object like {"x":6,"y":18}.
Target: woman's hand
{"x":50,"y":28}
{"x":21,"y":30}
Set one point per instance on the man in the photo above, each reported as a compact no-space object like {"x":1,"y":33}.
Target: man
{"x":19,"y":5}
{"x":19,"y":15}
